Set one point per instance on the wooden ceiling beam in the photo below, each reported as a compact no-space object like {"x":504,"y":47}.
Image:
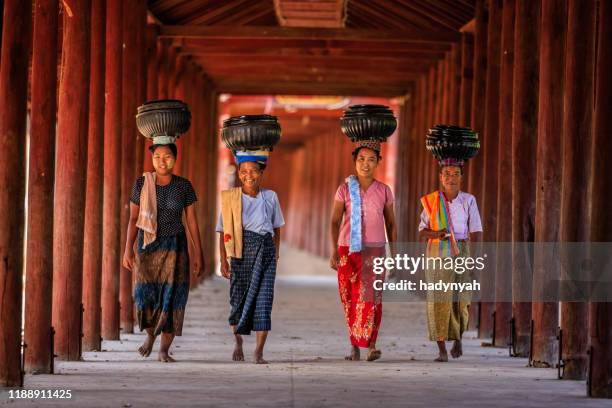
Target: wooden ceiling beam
{"x":341,"y":54}
{"x":312,"y":44}
{"x":341,"y":34}
{"x":306,"y":88}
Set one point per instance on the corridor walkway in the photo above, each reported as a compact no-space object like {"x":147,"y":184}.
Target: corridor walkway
{"x":306,"y":369}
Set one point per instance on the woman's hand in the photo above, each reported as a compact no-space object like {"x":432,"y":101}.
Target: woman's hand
{"x":198,"y":264}
{"x":128,"y":259}
{"x":443,"y":234}
{"x":334,"y":260}
{"x":225,"y":269}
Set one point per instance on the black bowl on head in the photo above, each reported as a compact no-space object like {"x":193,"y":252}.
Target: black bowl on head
{"x":368,"y":122}
{"x":251,"y":132}
{"x":165,"y":117}
{"x":447,"y":141}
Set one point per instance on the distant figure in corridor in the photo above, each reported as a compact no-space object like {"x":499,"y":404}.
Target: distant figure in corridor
{"x":367,"y":207}
{"x":249,"y":236}
{"x":449,"y":220}
{"x":161,"y":262}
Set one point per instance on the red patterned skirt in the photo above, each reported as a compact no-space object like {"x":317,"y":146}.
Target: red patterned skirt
{"x":362,"y":304}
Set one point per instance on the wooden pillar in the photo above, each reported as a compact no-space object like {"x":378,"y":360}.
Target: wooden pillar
{"x":129,"y":93}
{"x":455,"y":84}
{"x":70,"y":180}
{"x":577,"y":137}
{"x":163,"y":61}
{"x":524,"y":136}
{"x":548,"y":182}
{"x":112,"y":175}
{"x":142,"y":51}
{"x":152,"y":82}
{"x":474,"y":168}
{"x":39,"y":261}
{"x":92,"y":252}
{"x":490,"y":138}
{"x":13,"y":98}
{"x":600,"y":320}
{"x":503,"y":272}
{"x":467,"y":75}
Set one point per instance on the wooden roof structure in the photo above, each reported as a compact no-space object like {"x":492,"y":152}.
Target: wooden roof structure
{"x":350,"y":47}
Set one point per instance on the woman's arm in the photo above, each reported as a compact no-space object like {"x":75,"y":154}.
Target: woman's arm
{"x":427,"y":233}
{"x":192,"y":226}
{"x":128,"y":253}
{"x":336,"y":219}
{"x":389,"y":215}
{"x":225,"y":267}
{"x":277,"y":237}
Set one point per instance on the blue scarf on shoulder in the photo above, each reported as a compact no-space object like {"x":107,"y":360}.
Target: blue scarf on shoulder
{"x":355,"y":216}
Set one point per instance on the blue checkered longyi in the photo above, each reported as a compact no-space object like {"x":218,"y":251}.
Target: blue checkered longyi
{"x":252,"y":284}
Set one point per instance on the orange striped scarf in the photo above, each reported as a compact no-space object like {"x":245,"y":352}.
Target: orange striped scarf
{"x":438,"y":211}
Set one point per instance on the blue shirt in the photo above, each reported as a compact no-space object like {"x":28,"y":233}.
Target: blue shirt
{"x":260,"y":214}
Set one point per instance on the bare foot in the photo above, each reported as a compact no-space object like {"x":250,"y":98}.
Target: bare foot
{"x":457,"y":350}
{"x":164,"y":357}
{"x":147,"y":346}
{"x":258,"y":357}
{"x":238,"y":353}
{"x":442,"y":358}
{"x":355,"y":355}
{"x":373,"y":354}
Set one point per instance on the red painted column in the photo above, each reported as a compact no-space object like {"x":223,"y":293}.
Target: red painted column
{"x":163,"y":61}
{"x":548,"y":182}
{"x":39,"y":261}
{"x":13,"y":97}
{"x":503,"y":272}
{"x":92,"y":251}
{"x":474,"y":168}
{"x":112,"y":172}
{"x":577,"y":138}
{"x":142,"y":52}
{"x":128,"y":141}
{"x":524,"y":136}
{"x":152,"y":82}
{"x":70,"y":179}
{"x":600,"y":321}
{"x":490,"y":136}
{"x":467,"y":76}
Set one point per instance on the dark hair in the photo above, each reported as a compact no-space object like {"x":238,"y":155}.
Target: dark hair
{"x":170,"y":146}
{"x":357,"y":150}
{"x":262,"y":166}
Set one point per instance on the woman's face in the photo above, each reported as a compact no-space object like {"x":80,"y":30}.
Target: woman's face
{"x":250,"y":174}
{"x":450,"y":177}
{"x":366,"y":162}
{"x":163,"y":160}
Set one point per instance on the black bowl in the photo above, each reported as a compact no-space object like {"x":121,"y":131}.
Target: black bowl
{"x":445,"y":142}
{"x":251,"y":132}
{"x":166,"y":117}
{"x":368,"y":122}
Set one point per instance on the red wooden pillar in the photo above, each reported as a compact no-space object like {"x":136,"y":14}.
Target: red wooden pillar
{"x":152,"y":83}
{"x":577,"y":137}
{"x":503,"y":273}
{"x":600,"y":320}
{"x":129,"y":93}
{"x":524,"y":136}
{"x":142,"y":52}
{"x":548,"y":182}
{"x":455,"y":84}
{"x":467,"y":75}
{"x":163,"y":61}
{"x":490,"y":137}
{"x":39,"y":261}
{"x":92,"y":251}
{"x":111,"y":253}
{"x":474,"y":168}
{"x":13,"y":93}
{"x":70,"y":180}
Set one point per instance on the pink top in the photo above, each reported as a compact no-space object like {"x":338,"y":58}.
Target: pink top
{"x":373,"y":202}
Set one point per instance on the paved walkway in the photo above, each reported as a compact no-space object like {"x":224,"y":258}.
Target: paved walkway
{"x":307,"y":369}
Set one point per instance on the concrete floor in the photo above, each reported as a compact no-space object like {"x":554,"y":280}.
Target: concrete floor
{"x":305,"y":350}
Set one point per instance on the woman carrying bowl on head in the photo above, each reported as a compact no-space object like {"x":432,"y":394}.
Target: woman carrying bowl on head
{"x":362,"y":212}
{"x":249,"y":233}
